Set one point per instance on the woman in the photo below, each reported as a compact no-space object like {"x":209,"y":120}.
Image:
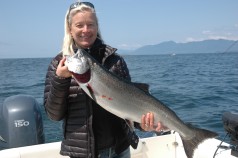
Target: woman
{"x":89,"y":130}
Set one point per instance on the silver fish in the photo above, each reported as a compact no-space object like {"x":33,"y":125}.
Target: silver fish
{"x":125,"y":100}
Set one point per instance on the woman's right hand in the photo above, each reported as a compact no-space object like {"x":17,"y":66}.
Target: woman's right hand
{"x":147,"y":123}
{"x":62,"y":69}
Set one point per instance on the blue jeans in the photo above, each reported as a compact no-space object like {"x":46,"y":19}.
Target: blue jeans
{"x":110,"y":153}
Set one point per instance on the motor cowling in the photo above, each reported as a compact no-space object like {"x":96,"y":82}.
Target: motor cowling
{"x":20,"y":122}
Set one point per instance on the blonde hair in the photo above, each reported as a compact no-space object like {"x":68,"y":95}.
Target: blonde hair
{"x":68,"y":40}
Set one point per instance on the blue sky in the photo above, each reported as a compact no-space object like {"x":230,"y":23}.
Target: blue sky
{"x":32,"y":28}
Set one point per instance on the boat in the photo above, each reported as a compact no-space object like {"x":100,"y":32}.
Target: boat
{"x":165,"y":146}
{"x":14,"y":144}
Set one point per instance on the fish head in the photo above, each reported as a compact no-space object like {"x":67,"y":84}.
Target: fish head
{"x":79,"y":66}
{"x":77,"y":63}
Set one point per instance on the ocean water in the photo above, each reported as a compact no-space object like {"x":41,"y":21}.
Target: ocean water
{"x":198,"y":87}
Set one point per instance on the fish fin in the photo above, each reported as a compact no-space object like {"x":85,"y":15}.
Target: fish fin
{"x":142,"y":86}
{"x":90,"y":90}
{"x":191,"y":144}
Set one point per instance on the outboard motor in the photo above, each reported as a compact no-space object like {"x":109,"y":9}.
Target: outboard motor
{"x":20,"y":122}
{"x":230,"y":123}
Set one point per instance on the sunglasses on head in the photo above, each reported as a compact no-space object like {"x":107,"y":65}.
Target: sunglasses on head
{"x":77,"y":4}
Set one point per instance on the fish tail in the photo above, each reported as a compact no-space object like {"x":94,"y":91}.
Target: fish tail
{"x":191,"y":144}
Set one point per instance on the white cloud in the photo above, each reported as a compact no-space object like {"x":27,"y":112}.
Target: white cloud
{"x":216,"y":37}
{"x":212,"y":37}
{"x":191,"y":39}
{"x":227,"y":36}
{"x":231,"y":34}
{"x":206,"y":32}
{"x":129,"y":46}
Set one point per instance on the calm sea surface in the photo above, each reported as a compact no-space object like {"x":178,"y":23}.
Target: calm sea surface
{"x":198,"y":87}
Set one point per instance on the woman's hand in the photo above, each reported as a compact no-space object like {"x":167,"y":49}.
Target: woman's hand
{"x":147,"y":123}
{"x":62,"y":69}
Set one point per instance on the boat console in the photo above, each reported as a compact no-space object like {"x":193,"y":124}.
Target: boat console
{"x":230,"y":123}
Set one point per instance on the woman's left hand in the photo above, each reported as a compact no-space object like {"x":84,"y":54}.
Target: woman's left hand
{"x":147,"y":123}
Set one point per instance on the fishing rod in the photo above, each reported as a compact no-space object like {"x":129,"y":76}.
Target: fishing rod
{"x":233,"y":44}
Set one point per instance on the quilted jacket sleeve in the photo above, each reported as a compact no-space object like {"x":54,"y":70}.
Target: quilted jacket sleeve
{"x":56,"y":92}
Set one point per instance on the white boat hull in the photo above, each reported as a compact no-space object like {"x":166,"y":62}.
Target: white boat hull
{"x":170,"y":146}
{"x":166,"y":146}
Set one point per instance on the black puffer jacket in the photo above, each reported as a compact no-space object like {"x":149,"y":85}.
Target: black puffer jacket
{"x":64,"y":99}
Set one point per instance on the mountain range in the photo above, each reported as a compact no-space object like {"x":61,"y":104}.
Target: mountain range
{"x":171,"y":47}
